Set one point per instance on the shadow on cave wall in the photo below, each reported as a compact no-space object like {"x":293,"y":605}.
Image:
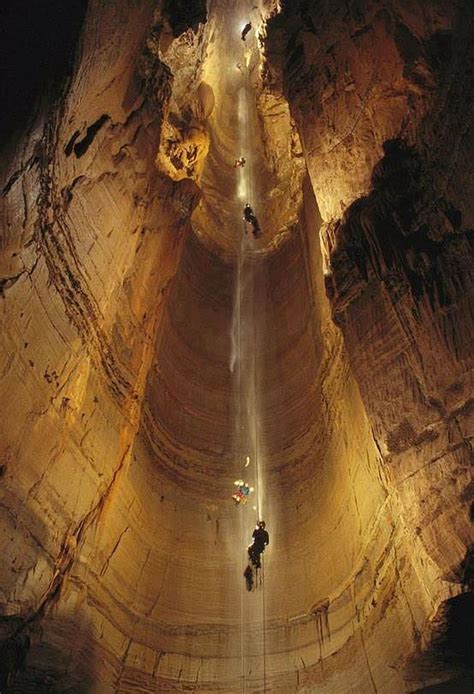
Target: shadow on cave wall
{"x":449,"y":657}
{"x":450,"y":653}
{"x":184,"y":14}
{"x":405,"y":234}
{"x":35,"y":59}
{"x":56,"y":654}
{"x":40,"y":652}
{"x":388,"y":232}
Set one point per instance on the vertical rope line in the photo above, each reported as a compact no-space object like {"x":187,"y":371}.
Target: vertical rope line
{"x":255,"y":366}
{"x":257,"y":467}
{"x":242,"y":630}
{"x":248,"y":153}
{"x":257,"y":456}
{"x":251,"y":199}
{"x":264,"y":630}
{"x":240,"y":449}
{"x":253,"y":410}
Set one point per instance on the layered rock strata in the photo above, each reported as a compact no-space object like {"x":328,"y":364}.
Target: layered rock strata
{"x":125,"y":279}
{"x":383,"y":99}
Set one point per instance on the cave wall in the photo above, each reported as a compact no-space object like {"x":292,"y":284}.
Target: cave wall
{"x":353,"y":615}
{"x":382,"y":95}
{"x":118,"y":445}
{"x":91,"y":237}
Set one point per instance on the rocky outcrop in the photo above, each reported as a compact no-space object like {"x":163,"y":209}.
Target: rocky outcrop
{"x":184,"y":142}
{"x":382,"y":95}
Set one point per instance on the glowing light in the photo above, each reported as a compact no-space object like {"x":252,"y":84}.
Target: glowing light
{"x":241,"y":188}
{"x":247,"y":461}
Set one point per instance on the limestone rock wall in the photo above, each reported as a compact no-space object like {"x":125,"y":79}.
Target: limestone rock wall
{"x":90,"y":238}
{"x":382,"y":95}
{"x":121,"y":552}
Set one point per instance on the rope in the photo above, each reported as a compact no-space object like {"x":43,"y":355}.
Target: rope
{"x":264,"y":619}
{"x":248,"y":173}
{"x":240,"y":451}
{"x":255,"y":364}
{"x":257,"y":470}
{"x":251,"y":200}
{"x":242,"y":630}
{"x":248,"y":153}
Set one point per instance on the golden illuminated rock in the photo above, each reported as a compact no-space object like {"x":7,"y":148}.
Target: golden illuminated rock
{"x":153,"y":351}
{"x":182,"y":152}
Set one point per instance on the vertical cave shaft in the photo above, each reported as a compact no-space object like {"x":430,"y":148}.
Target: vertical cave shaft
{"x":151,"y":346}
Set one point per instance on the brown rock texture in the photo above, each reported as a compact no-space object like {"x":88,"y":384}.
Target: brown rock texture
{"x":151,"y":348}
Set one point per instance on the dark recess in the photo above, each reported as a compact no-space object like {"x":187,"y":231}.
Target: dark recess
{"x":82,"y":145}
{"x":37,"y":44}
{"x":185,"y":14}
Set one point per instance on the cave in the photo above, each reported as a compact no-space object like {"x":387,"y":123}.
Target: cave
{"x":156,"y":348}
